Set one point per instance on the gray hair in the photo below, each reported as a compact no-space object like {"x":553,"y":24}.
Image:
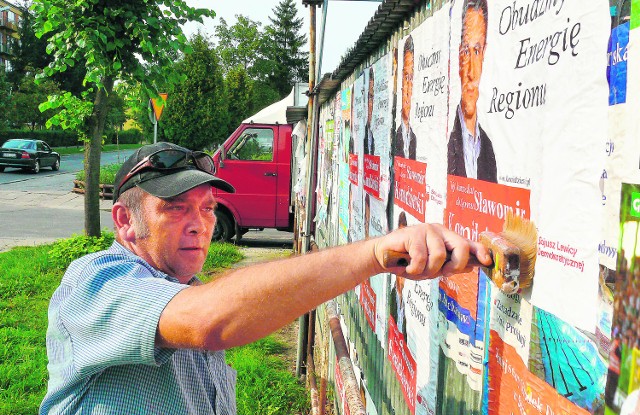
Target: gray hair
{"x":477,"y":5}
{"x":132,"y":200}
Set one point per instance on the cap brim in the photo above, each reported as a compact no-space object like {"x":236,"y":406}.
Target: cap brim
{"x":172,"y":185}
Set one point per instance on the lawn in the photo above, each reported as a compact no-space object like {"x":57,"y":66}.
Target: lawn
{"x":28,"y":277}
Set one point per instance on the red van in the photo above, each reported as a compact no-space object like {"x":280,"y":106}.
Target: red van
{"x":256,"y":160}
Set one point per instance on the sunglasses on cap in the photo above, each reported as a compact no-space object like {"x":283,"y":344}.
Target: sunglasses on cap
{"x":168,"y":159}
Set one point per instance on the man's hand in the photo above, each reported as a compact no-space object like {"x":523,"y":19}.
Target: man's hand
{"x":427,"y":245}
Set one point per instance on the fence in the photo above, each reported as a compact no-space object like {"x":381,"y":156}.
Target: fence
{"x":435,"y":117}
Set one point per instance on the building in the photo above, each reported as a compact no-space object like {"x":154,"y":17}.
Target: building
{"x":10,"y":20}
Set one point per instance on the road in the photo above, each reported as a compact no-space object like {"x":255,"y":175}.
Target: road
{"x":40,"y":208}
{"x":62,"y":180}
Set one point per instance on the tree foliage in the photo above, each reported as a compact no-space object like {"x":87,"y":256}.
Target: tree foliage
{"x":197,"y":113}
{"x":240,"y":45}
{"x":5,"y":98}
{"x":238,"y":88}
{"x":30,"y":57}
{"x":132,"y":41}
{"x":285,"y":48}
{"x":23,"y":109}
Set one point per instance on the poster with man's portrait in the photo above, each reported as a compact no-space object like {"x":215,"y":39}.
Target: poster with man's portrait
{"x":528,"y":106}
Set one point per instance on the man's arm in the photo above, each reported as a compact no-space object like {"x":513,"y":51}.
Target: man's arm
{"x":252,"y":302}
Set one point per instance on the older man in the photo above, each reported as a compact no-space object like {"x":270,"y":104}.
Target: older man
{"x":132,"y":331}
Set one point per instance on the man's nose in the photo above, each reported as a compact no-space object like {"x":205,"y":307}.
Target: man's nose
{"x":475,"y":63}
{"x":197,"y":222}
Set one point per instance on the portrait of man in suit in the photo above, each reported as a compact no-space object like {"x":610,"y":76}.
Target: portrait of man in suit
{"x":405,"y":142}
{"x":368,"y":131}
{"x":470,"y":151}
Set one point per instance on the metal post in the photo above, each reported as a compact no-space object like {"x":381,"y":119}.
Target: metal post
{"x":306,"y":230}
{"x":155,"y":132}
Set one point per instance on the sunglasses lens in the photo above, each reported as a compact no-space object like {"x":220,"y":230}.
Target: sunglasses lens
{"x":168,"y":159}
{"x":204,"y":162}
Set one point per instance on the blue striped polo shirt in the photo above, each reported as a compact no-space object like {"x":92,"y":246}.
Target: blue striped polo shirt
{"x":101,"y":345}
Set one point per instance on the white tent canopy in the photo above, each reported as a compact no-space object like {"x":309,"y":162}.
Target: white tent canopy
{"x":275,"y":113}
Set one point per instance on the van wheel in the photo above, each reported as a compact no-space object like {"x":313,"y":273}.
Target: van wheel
{"x":224,"y":228}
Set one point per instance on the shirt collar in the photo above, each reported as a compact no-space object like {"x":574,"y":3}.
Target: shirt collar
{"x":465,"y":131}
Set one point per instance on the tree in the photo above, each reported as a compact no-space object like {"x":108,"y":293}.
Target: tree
{"x":284,"y":48}
{"x":117,"y":112}
{"x":239,"y":45}
{"x":23,"y":109}
{"x":197,"y":113}
{"x":30,"y":57}
{"x":238,"y":89}
{"x":133,"y":41}
{"x":5,"y":98}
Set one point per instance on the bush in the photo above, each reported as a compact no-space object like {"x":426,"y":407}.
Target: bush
{"x":131,"y":136}
{"x":65,"y":251}
{"x":107,"y":173}
{"x":55,"y":138}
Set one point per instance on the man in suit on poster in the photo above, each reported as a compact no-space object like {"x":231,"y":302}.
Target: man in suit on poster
{"x":405,"y":142}
{"x":470,"y":152}
{"x":369,"y":144}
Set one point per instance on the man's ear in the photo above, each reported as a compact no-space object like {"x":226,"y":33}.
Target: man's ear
{"x":122,"y":220}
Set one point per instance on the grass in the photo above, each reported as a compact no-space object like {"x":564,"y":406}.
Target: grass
{"x":28,"y":277}
{"x":79,"y":149}
{"x":107,"y":173}
{"x":265,"y":385}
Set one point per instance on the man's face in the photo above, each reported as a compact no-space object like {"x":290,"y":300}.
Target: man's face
{"x":180,"y":231}
{"x":471,"y":57}
{"x":407,"y":84}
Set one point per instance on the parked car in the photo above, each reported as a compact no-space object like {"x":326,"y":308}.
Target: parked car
{"x":28,"y":155}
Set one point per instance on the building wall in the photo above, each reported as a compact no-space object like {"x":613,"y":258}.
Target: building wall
{"x":10,"y":21}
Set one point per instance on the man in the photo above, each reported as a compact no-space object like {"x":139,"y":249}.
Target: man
{"x":405,"y":143}
{"x":132,"y":331}
{"x":368,"y":131}
{"x":470,"y":152}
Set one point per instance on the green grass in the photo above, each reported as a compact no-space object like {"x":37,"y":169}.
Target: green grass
{"x":265,"y":385}
{"x":28,"y":277}
{"x":79,"y":149}
{"x":107,"y":173}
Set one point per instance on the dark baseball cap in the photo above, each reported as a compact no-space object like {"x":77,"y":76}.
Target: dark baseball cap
{"x":164,"y":183}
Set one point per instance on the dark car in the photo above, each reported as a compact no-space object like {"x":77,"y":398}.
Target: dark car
{"x":28,"y":155}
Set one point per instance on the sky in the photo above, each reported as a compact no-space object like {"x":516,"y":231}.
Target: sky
{"x":345,"y":21}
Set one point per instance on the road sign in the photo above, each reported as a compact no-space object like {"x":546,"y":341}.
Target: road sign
{"x":158,"y":105}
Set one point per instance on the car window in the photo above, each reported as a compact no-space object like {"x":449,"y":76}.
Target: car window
{"x":46,"y":147}
{"x":40,"y":147}
{"x":18,"y":144}
{"x":253,"y":144}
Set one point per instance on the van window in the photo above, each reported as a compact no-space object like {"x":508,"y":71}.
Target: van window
{"x":253,"y":144}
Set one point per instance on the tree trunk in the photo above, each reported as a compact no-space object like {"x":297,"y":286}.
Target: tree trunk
{"x":93,"y":149}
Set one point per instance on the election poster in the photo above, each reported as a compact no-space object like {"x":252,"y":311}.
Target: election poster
{"x":531,"y":93}
{"x":356,"y":160}
{"x":343,"y":165}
